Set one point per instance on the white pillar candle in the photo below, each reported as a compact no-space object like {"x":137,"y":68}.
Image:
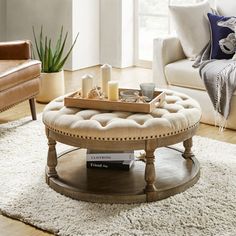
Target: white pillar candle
{"x":106,"y":71}
{"x":87,"y":85}
{"x":113,"y":90}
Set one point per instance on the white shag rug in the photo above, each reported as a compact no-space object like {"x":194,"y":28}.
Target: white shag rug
{"x":208,"y":208}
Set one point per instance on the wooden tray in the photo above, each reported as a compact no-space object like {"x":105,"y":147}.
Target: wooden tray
{"x":72,"y":101}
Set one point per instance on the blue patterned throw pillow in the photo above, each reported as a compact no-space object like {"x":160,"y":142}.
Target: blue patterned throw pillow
{"x":223,"y":41}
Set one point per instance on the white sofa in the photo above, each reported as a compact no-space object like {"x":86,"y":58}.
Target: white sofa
{"x":172,"y":69}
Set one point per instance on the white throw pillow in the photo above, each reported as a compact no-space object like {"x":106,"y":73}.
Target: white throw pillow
{"x":192,"y":26}
{"x":226,"y":7}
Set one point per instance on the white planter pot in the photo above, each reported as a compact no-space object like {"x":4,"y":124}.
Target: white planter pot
{"x":51,"y":86}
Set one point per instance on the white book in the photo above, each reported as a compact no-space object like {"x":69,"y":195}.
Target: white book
{"x":109,"y":156}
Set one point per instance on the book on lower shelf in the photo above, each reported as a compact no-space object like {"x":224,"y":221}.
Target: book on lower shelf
{"x":110,"y":160}
{"x":93,"y":155}
{"x":115,"y":165}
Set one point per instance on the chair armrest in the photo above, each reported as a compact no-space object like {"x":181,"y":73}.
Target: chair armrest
{"x":166,"y":51}
{"x":15,"y":50}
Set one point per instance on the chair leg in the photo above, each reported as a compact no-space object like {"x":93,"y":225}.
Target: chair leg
{"x":32,"y":108}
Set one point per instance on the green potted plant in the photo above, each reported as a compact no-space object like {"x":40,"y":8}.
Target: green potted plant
{"x":53,"y":60}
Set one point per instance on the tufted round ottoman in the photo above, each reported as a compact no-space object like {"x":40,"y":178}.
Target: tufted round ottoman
{"x":173,"y":172}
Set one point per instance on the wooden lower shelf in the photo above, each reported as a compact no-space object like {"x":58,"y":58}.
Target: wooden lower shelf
{"x":174,"y":174}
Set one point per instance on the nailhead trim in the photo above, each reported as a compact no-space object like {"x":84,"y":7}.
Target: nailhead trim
{"x":8,"y":107}
{"x":122,"y":139}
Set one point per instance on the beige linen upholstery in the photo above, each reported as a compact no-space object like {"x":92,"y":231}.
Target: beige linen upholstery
{"x":181,"y":73}
{"x":165,"y":51}
{"x":177,"y":114}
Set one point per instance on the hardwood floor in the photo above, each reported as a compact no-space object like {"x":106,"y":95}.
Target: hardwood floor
{"x":10,"y":227}
{"x":130,"y":77}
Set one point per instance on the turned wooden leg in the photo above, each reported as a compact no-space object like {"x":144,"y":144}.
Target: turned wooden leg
{"x":32,"y":108}
{"x":150,"y":174}
{"x":52,"y":158}
{"x":188,"y":146}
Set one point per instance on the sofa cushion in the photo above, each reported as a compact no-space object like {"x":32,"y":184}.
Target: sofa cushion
{"x":17,"y":94}
{"x":223,"y":41}
{"x":226,"y":7}
{"x":181,"y":73}
{"x":15,"y":72}
{"x":192,"y":26}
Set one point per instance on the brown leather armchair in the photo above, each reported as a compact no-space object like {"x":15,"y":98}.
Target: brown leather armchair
{"x":19,"y":75}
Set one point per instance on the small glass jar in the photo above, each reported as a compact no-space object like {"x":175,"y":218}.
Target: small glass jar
{"x":129,"y":95}
{"x":147,"y":90}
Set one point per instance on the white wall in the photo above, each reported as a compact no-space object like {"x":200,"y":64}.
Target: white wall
{"x":2,"y":20}
{"x":22,"y":15}
{"x":110,"y":32}
{"x":86,"y":21}
{"x":74,"y":15}
{"x":127,"y":31}
{"x":105,"y":26}
{"x":116,"y":32}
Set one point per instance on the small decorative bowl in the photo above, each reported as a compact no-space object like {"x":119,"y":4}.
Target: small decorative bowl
{"x":129,"y":95}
